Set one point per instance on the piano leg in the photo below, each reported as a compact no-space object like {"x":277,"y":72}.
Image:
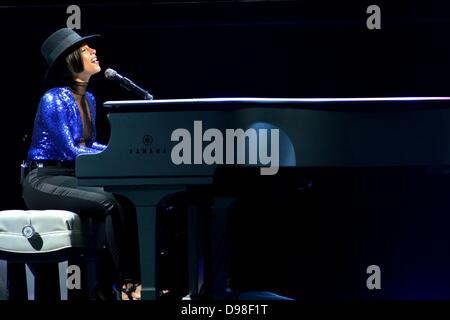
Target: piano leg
{"x":146,"y":219}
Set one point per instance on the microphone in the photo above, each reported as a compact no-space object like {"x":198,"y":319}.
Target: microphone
{"x":127,"y":84}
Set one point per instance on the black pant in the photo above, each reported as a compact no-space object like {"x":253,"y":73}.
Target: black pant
{"x":57,"y":188}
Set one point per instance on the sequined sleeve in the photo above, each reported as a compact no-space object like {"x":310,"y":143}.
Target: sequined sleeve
{"x":98,"y":146}
{"x":55,"y":115}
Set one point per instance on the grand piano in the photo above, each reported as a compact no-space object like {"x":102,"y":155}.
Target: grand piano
{"x":141,"y":164}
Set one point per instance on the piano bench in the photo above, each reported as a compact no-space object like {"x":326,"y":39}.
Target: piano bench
{"x":37,"y":237}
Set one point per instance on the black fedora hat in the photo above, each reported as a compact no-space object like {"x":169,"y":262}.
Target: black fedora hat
{"x":60,"y":43}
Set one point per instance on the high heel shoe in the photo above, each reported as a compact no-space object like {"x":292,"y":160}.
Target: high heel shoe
{"x":129,"y":290}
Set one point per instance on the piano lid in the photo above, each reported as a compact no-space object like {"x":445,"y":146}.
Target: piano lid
{"x":362,"y":103}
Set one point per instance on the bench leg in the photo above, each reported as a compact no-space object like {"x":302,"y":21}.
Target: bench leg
{"x":31,"y":282}
{"x":3,"y":280}
{"x":62,"y":271}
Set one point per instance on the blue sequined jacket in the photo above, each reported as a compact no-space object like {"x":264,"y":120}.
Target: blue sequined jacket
{"x":58,"y":129}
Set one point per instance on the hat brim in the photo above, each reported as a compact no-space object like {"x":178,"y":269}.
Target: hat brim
{"x":69,"y":49}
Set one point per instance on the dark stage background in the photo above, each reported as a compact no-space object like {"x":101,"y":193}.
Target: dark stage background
{"x":308,"y":248}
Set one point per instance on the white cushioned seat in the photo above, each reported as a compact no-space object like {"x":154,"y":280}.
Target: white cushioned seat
{"x":41,"y":236}
{"x":34,"y":231}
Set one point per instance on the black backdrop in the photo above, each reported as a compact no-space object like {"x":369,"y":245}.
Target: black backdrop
{"x":226,"y":49}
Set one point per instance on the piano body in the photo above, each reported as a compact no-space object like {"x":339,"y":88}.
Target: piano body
{"x":368,"y":132}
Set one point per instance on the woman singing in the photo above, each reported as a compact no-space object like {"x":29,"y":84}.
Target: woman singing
{"x":64,"y":128}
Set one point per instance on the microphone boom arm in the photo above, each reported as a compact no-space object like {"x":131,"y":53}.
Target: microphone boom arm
{"x":127,"y":84}
{"x":144,"y":93}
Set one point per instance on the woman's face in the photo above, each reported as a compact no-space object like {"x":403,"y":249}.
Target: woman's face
{"x":89,"y":58}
